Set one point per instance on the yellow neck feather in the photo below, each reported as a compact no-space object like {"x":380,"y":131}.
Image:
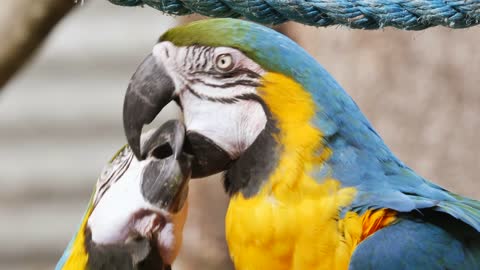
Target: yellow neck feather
{"x":302,"y":146}
{"x":78,"y":257}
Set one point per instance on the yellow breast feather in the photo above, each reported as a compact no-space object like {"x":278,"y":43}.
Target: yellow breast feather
{"x":293,"y":222}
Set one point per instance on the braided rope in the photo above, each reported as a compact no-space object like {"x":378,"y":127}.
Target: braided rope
{"x":361,"y":14}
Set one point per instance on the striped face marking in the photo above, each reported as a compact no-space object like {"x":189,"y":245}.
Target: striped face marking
{"x":112,"y":172}
{"x":216,"y":87}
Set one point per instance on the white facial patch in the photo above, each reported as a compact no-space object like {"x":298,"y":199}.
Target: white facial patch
{"x":233,"y":127}
{"x":216,"y":99}
{"x":121,"y":212}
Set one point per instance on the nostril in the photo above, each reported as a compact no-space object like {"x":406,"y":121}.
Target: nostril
{"x":162,"y":151}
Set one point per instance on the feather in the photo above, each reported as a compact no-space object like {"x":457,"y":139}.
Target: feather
{"x":431,"y":241}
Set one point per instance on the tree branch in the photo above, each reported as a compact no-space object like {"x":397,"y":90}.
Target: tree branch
{"x":24,"y":24}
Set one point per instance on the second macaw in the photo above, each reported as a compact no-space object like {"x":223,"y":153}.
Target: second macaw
{"x":311,"y":183}
{"x":135,"y":218}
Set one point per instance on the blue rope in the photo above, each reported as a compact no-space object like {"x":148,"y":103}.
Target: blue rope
{"x":362,"y":14}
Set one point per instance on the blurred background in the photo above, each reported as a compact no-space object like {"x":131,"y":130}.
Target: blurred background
{"x":60,"y":117}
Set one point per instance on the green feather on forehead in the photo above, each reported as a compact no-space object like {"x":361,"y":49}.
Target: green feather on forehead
{"x":212,"y":32}
{"x":232,"y":33}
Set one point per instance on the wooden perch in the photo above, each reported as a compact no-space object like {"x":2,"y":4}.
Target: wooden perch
{"x":24,"y":24}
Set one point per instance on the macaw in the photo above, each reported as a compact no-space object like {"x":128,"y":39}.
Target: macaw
{"x":135,"y":217}
{"x":312,"y":185}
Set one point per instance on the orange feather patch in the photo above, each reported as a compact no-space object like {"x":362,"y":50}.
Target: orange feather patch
{"x":374,"y":220}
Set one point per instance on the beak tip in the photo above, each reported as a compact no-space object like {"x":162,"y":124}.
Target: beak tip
{"x":137,"y":153}
{"x":133,"y":139}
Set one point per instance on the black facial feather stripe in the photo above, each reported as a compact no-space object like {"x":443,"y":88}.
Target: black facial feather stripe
{"x":197,"y":56}
{"x":241,"y":82}
{"x":229,"y":74}
{"x":222,"y":99}
{"x":120,"y":171}
{"x":213,"y":99}
{"x":113,"y":178}
{"x":185,"y":58}
{"x":205,"y":61}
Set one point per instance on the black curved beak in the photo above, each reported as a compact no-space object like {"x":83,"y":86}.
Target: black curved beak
{"x":149,"y":91}
{"x":165,"y":178}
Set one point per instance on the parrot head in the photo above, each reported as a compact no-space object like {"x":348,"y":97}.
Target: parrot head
{"x":136,"y":215}
{"x":248,"y":94}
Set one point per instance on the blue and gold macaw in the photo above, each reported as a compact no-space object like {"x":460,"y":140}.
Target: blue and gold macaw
{"x":311,"y":184}
{"x":135,"y":218}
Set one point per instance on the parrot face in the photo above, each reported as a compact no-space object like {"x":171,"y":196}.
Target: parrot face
{"x":136,"y":216}
{"x":216,"y":87}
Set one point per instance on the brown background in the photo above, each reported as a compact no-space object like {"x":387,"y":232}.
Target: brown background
{"x":60,"y":120}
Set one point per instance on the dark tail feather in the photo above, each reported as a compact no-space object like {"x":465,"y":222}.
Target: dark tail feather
{"x":465,"y":209}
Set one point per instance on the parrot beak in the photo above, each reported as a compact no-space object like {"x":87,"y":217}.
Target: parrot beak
{"x":165,"y":178}
{"x":164,"y":184}
{"x":149,"y":91}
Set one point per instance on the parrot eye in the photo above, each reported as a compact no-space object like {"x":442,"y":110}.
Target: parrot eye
{"x":224,"y":62}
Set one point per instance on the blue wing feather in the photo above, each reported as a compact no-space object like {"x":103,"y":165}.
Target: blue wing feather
{"x":420,"y":244}
{"x":361,"y":159}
